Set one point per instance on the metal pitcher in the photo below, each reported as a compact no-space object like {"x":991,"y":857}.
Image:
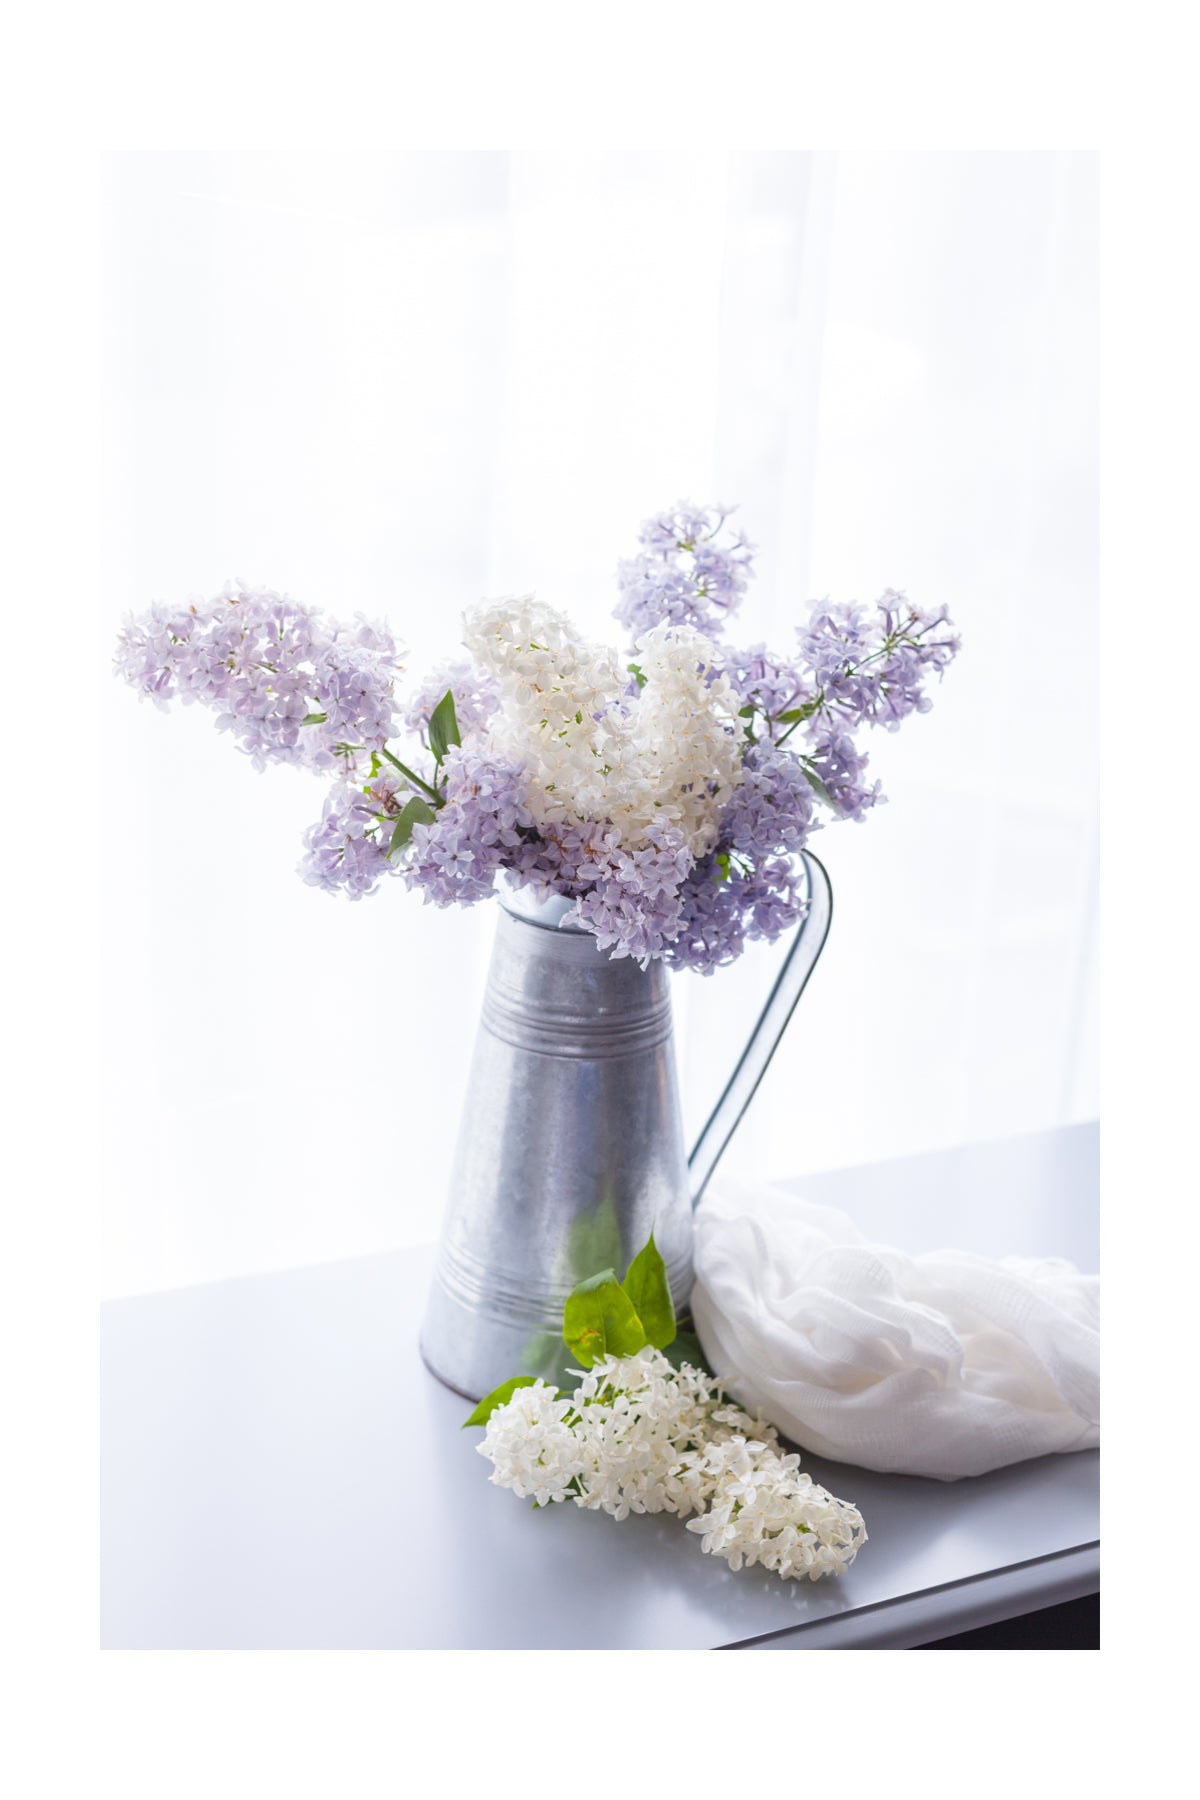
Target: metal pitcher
{"x":570,"y":1149}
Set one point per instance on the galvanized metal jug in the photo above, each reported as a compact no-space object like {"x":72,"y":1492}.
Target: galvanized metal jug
{"x":571,"y":1145}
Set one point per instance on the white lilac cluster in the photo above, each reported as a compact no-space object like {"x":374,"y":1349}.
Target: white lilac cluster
{"x":640,"y":1436}
{"x":665,"y":789}
{"x":596,"y":745}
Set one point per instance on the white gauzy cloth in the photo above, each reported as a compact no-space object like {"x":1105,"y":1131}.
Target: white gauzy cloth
{"x":944,"y":1364}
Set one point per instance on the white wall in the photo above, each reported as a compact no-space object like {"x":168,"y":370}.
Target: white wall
{"x":401,"y":383}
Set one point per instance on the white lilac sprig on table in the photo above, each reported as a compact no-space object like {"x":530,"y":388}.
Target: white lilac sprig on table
{"x":664,"y":789}
{"x":640,"y":1433}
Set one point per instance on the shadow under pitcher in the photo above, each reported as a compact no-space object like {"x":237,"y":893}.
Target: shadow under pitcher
{"x":570,"y":1150}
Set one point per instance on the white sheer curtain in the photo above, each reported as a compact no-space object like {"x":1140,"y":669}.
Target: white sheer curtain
{"x":401,"y":383}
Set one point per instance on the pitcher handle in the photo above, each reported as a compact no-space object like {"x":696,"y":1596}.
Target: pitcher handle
{"x":801,"y":960}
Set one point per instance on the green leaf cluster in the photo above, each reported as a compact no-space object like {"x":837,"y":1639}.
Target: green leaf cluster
{"x":650,"y":1294}
{"x":607,"y":1317}
{"x":600,"y":1319}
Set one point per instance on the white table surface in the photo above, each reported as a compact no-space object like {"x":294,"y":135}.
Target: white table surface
{"x":279,"y":1470}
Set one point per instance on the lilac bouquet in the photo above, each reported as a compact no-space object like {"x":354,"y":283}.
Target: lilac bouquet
{"x":665,"y":790}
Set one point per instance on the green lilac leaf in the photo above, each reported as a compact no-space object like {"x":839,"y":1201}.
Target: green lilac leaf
{"x":498,"y":1397}
{"x":410,"y":775}
{"x":636,"y":673}
{"x":443,"y":726}
{"x":599,"y":1319}
{"x":799,"y":713}
{"x":415,"y":812}
{"x":314,"y":718}
{"x":647,"y":1286}
{"x":818,"y":787}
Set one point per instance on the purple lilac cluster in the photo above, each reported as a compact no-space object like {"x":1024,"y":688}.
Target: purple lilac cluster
{"x":346,"y":850}
{"x":634,"y":905}
{"x":290,"y":685}
{"x":690,"y":571}
{"x":293,"y":686}
{"x":750,"y":887}
{"x":475,"y":698}
{"x":481,"y":821}
{"x":870,"y":664}
{"x":566,"y":859}
{"x":767,"y":682}
{"x":480,"y":827}
{"x":854,"y":666}
{"x":727,"y":902}
{"x":772,"y":808}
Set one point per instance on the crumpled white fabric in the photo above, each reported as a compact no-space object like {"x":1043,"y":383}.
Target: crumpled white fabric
{"x":944,"y":1364}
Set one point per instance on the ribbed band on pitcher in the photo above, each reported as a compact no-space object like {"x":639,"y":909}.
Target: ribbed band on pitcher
{"x":483,"y":1289}
{"x":562,"y":1033}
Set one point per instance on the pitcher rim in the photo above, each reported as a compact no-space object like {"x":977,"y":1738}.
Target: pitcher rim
{"x":511,"y":898}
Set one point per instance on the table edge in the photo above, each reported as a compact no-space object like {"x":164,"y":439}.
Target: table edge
{"x":913,"y":1619}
